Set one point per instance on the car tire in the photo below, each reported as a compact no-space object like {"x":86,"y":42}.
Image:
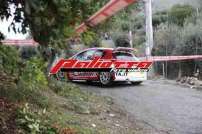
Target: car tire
{"x":105,"y":78}
{"x":136,"y":83}
{"x":61,"y":76}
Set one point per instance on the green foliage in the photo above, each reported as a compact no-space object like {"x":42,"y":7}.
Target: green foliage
{"x":9,"y":59}
{"x":28,"y":52}
{"x":159,"y":17}
{"x":128,"y":19}
{"x":79,"y":101}
{"x":123,"y":42}
{"x":90,"y":38}
{"x":166,"y":38}
{"x":20,"y":80}
{"x":179,"y":13}
{"x":180,"y":40}
{"x":48,"y":21}
{"x":67,"y":90}
{"x":34,"y":122}
{"x":32,"y":75}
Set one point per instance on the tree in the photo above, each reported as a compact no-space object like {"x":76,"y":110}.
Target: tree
{"x":122,"y":41}
{"x":179,"y":13}
{"x":130,"y":18}
{"x":160,"y":17}
{"x":173,"y":39}
{"x":48,"y":20}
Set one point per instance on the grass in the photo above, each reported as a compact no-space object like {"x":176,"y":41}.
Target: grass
{"x":67,"y":109}
{"x":66,"y":105}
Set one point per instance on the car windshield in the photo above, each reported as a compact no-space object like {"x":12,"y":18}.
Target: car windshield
{"x":125,"y":56}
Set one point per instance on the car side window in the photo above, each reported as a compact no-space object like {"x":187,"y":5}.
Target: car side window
{"x":125,"y":56}
{"x":98,"y":53}
{"x":80,"y":56}
{"x":86,"y":55}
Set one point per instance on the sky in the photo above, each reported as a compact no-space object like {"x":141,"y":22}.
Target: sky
{"x":4,"y":28}
{"x":10,"y":35}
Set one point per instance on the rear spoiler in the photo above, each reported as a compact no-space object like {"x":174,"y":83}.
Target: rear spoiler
{"x":124,"y":49}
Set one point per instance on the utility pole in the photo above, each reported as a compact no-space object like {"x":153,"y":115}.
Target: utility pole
{"x":149,"y":27}
{"x":149,"y":33}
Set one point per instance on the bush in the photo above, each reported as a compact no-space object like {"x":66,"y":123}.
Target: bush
{"x":22,"y":81}
{"x":9,"y":60}
{"x":122,"y":41}
{"x":32,"y":75}
{"x":34,"y":122}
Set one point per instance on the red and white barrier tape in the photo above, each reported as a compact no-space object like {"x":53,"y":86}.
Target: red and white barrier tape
{"x":19,"y":42}
{"x":173,"y":58}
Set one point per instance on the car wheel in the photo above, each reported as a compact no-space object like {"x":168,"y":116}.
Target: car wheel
{"x":105,"y":78}
{"x":61,"y":76}
{"x":136,"y":83}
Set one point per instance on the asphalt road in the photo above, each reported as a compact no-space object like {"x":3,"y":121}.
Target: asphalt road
{"x":163,"y":105}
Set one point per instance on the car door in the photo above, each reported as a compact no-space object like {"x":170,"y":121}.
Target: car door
{"x":83,"y":56}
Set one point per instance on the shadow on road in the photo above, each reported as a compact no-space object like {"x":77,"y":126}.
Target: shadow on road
{"x":112,"y":86}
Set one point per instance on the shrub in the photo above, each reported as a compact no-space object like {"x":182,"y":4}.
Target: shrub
{"x":9,"y":59}
{"x":38,"y":122}
{"x":34,"y":122}
{"x":32,"y":76}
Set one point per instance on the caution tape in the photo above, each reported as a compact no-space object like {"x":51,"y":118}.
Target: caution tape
{"x":19,"y":42}
{"x":173,"y":58}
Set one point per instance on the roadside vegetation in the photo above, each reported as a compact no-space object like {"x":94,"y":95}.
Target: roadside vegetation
{"x":178,"y":32}
{"x":31,"y":102}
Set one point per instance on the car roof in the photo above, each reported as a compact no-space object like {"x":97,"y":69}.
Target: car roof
{"x":114,"y":49}
{"x":104,"y":48}
{"x":99,"y":48}
{"x":95,"y":48}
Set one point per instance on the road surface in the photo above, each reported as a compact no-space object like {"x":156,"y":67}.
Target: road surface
{"x":163,"y":105}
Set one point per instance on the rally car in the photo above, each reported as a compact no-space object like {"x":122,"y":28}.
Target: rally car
{"x":108,"y":76}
